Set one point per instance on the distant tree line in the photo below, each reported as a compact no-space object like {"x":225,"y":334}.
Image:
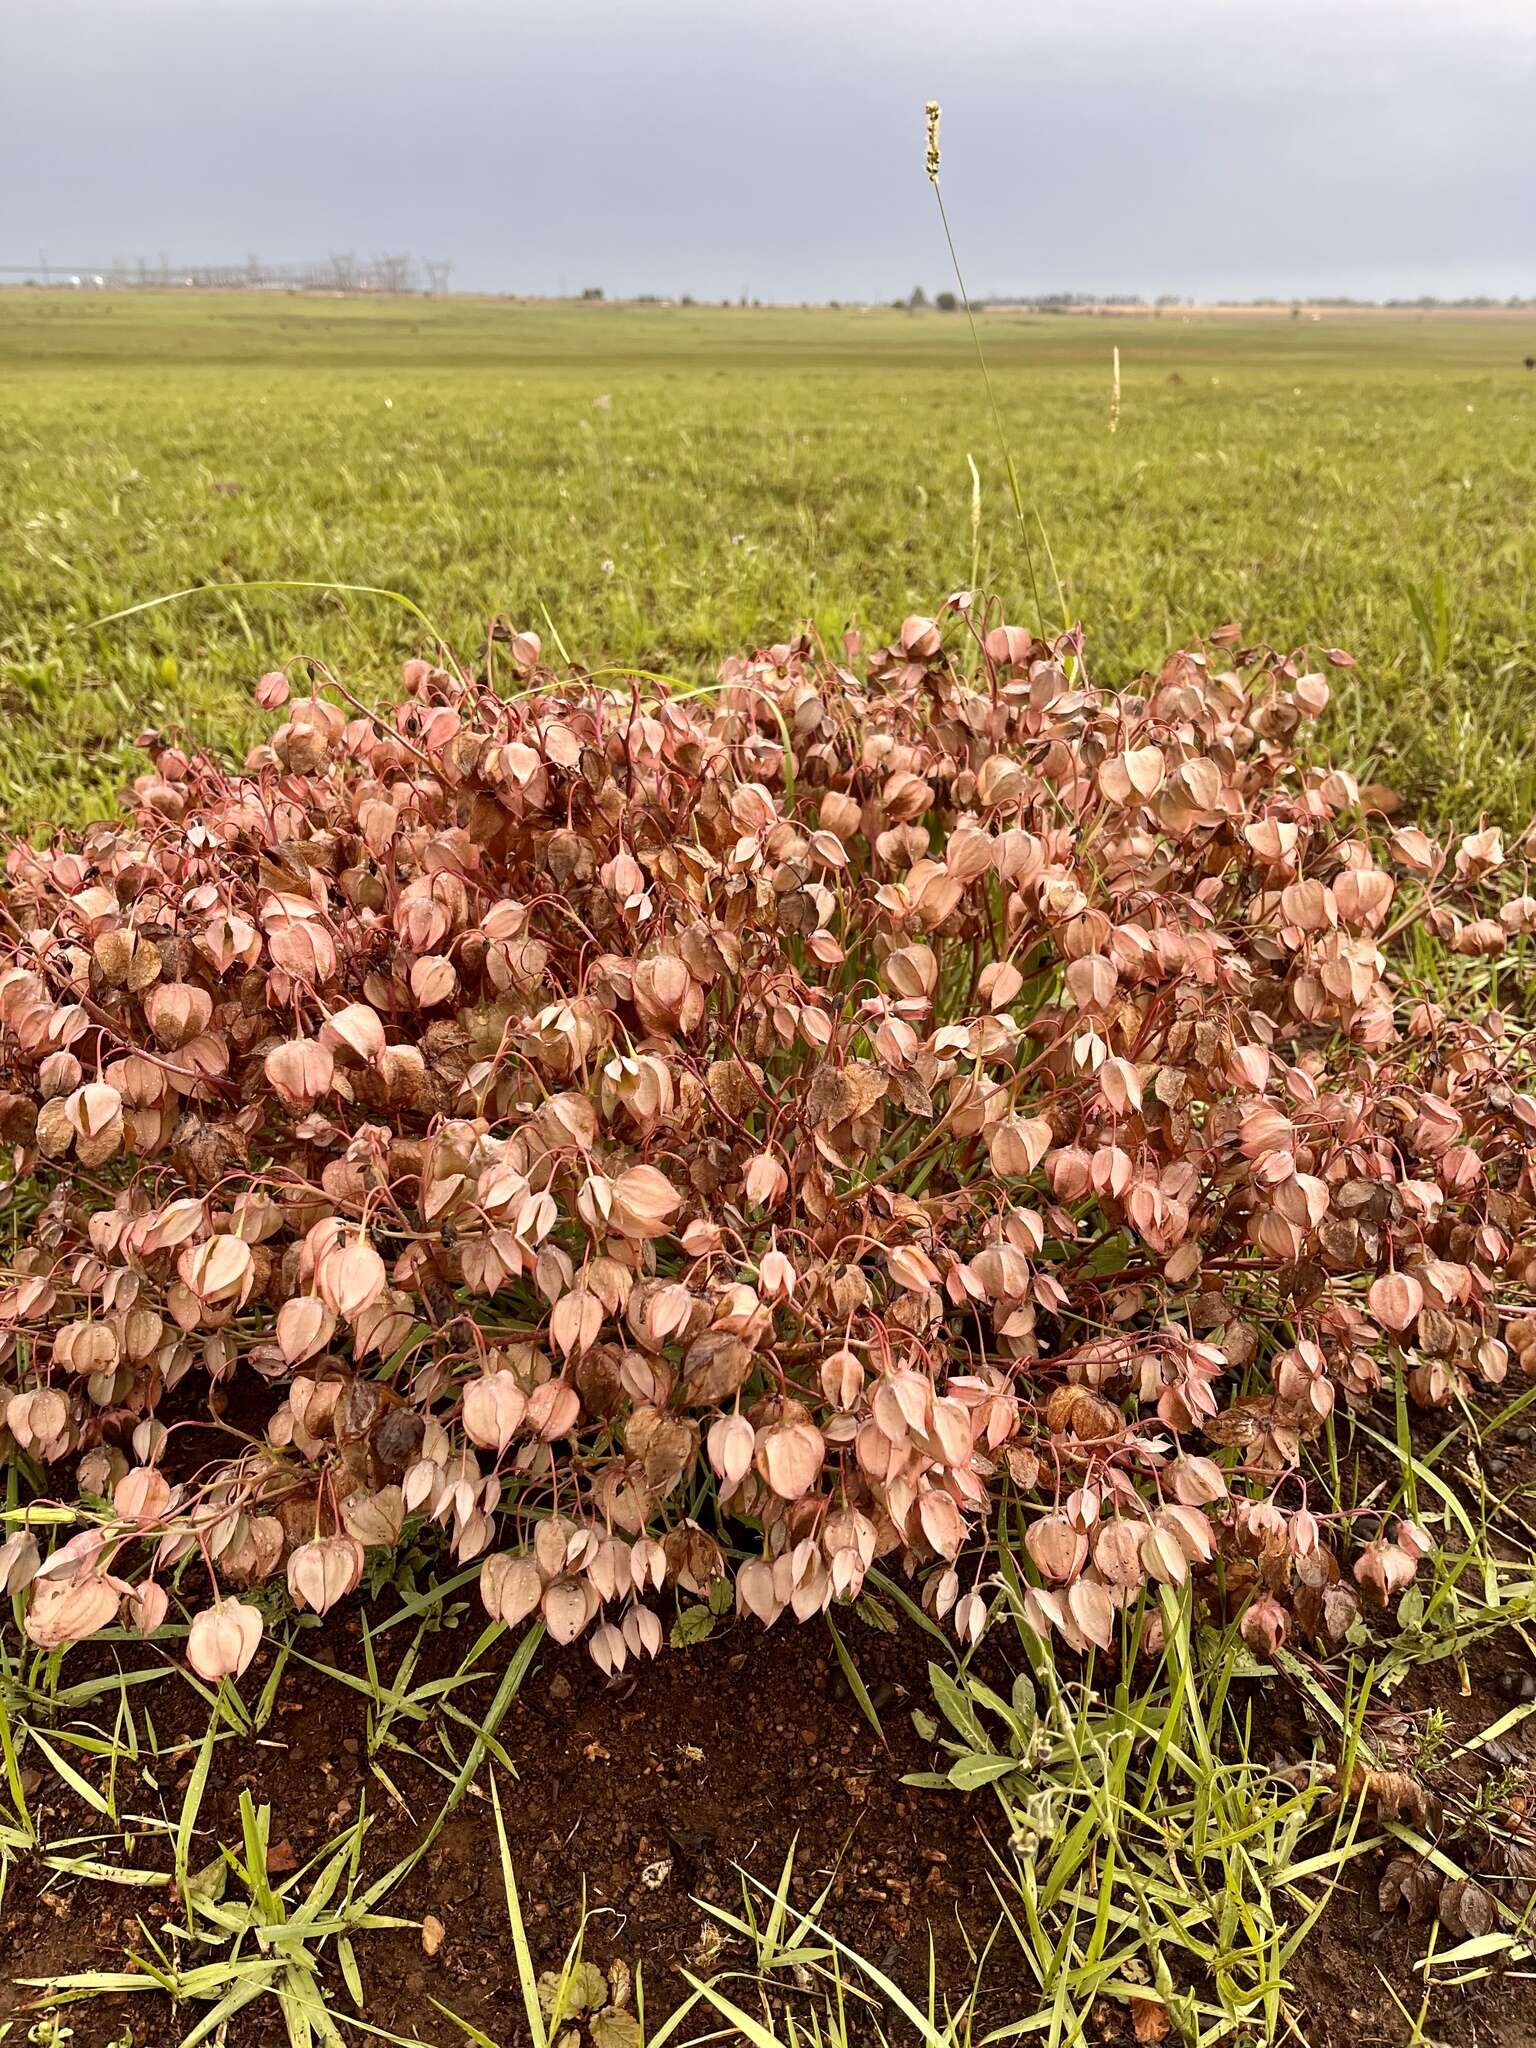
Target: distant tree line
{"x":1062,"y":302}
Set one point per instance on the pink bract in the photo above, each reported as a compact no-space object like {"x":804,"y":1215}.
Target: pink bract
{"x":869,"y":1090}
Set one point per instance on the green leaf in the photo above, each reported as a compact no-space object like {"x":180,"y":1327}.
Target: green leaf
{"x":955,"y":1705}
{"x":875,"y":1614}
{"x":578,"y":1988}
{"x":969,"y":1773}
{"x":351,"y":1975}
{"x":207,"y":1885}
{"x":82,"y":1787}
{"x":855,"y":1680}
{"x":1020,"y":1726}
{"x":520,"y":1948}
{"x":924,"y":1725}
{"x":614,"y":2028}
{"x":691,"y":1626}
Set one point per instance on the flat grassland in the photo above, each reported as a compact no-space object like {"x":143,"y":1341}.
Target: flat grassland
{"x":660,"y":486}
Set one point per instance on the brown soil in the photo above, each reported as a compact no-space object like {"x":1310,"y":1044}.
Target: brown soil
{"x":650,"y":1790}
{"x":640,"y":1795}
{"x":1343,"y":1972}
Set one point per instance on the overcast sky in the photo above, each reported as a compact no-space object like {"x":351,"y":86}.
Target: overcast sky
{"x":1202,"y":147}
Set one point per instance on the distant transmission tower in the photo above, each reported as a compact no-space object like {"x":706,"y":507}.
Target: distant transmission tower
{"x":437,"y":278}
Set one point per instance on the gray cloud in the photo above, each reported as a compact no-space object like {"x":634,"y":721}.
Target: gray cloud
{"x":1367,"y":146}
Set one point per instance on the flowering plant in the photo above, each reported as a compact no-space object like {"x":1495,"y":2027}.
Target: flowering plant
{"x":662,"y":1137}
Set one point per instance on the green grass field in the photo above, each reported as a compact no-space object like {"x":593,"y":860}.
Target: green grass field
{"x":666,"y":485}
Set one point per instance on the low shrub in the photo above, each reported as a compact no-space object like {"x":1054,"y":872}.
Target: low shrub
{"x":673,"y":1138}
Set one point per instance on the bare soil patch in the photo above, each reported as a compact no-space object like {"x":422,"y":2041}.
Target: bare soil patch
{"x":639,"y":1796}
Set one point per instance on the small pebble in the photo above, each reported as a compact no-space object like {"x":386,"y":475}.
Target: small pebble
{"x":1517,"y":1685}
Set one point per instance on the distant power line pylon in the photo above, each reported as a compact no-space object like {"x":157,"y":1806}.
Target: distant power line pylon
{"x":437,"y":278}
